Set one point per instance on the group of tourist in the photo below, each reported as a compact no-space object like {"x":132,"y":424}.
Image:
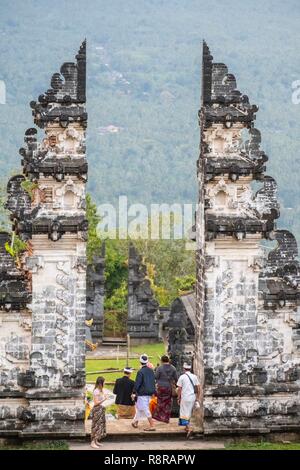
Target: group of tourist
{"x":150,"y":396}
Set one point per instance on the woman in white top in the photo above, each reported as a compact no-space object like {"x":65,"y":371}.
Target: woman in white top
{"x":188,"y":392}
{"x":98,"y":431}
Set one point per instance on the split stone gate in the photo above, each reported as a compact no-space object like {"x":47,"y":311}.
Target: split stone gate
{"x":247,"y":334}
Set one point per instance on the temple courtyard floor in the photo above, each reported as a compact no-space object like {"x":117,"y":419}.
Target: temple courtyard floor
{"x":117,"y":428}
{"x":122,"y":436}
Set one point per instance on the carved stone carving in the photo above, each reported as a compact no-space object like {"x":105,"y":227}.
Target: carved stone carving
{"x":95,"y":295}
{"x":247,"y":328}
{"x":143,"y":322}
{"x":42,"y":348}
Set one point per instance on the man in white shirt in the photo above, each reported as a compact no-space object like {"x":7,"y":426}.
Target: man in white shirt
{"x":188,"y":392}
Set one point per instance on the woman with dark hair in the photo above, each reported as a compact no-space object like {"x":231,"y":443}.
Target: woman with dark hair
{"x":98,"y":431}
{"x":166,"y":378}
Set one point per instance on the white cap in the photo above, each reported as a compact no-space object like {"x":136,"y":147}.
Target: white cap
{"x":144,"y":359}
{"x":187,"y":366}
{"x":128,"y":370}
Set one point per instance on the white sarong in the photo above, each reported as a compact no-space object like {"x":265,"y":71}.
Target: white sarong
{"x":142,"y":408}
{"x":186,"y":408}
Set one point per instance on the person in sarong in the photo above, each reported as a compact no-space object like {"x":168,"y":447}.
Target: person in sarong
{"x":166,"y":378}
{"x":153,"y":404}
{"x":188,"y":392}
{"x":123,"y":390}
{"x":144,"y":389}
{"x":98,"y":431}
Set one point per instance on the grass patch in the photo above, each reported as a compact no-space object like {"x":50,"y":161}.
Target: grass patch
{"x":155,"y":350}
{"x":112,"y":409}
{"x":263,"y":446}
{"x":37,"y":445}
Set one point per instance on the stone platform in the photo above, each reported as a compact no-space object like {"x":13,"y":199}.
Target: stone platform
{"x":121,"y":428}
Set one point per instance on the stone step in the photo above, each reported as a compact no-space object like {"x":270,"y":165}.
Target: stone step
{"x":109,"y":341}
{"x":119,"y":429}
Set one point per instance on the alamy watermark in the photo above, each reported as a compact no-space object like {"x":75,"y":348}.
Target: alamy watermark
{"x":155,"y":222}
{"x":2,"y":92}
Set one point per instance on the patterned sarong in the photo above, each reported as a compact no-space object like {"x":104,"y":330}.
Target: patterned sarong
{"x":163,"y":409}
{"x":98,"y":431}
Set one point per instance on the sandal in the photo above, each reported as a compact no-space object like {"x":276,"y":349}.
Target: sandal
{"x":134,"y":425}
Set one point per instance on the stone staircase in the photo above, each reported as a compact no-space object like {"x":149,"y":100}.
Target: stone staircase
{"x":118,"y":430}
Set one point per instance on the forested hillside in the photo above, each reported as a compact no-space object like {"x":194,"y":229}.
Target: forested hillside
{"x":144,"y":85}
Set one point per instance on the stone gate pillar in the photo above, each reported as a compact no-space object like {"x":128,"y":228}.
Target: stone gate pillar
{"x":247,"y":294}
{"x":56,"y":172}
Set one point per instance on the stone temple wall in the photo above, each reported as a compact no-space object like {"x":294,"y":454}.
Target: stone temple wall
{"x":143,"y":309}
{"x":95,"y":295}
{"x":181,"y":327}
{"x":42,"y":335}
{"x":248,"y":344}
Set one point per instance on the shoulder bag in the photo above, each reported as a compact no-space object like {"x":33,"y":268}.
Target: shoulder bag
{"x":194,"y":386}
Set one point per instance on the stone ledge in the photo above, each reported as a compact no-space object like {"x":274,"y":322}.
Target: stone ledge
{"x":12,"y":394}
{"x":274,"y":431}
{"x":53,"y":395}
{"x":122,"y":427}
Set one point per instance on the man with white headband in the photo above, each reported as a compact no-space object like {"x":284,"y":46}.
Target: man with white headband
{"x":144,"y":389}
{"x":123,"y":390}
{"x":188,"y":392}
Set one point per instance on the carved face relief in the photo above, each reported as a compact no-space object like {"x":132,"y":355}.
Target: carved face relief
{"x":221,"y":199}
{"x":63,"y":266}
{"x":218,"y":145}
{"x":70,"y":140}
{"x":222,"y":141}
{"x":235,"y":199}
{"x":69,"y":200}
{"x":246,"y":205}
{"x":52,"y":140}
{"x":69,"y":196}
{"x":221,"y":195}
{"x":67,"y":141}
